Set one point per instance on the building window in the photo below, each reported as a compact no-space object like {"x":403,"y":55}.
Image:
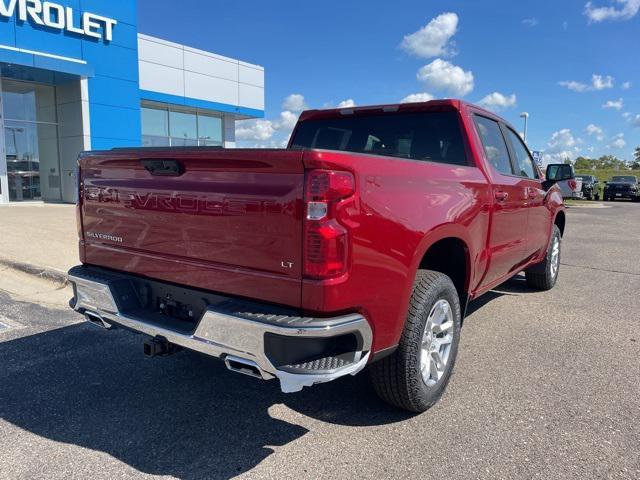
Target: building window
{"x":164,"y":126}
{"x":155,"y":127}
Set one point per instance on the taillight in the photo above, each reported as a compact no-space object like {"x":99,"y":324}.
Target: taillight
{"x":327,"y":242}
{"x":572,"y":184}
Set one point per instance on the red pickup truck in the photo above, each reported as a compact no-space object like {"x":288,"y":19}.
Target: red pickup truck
{"x":361,"y":243}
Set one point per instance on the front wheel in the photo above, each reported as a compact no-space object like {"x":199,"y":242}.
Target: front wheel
{"x":544,"y":275}
{"x":415,"y":376}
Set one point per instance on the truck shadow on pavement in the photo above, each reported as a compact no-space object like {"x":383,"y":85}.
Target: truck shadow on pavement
{"x":184,"y":416}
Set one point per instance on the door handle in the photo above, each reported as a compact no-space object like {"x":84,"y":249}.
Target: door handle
{"x":501,"y":196}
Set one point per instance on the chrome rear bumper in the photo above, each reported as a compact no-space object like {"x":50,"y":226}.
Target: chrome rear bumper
{"x":236,"y":338}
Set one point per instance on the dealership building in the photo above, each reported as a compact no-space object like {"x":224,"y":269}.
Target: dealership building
{"x":77,"y":75}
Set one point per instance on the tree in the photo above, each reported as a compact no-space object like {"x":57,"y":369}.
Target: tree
{"x":583,"y":163}
{"x":635,"y":165}
{"x":636,"y":154}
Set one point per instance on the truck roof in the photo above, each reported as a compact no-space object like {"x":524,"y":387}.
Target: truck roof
{"x":431,"y":105}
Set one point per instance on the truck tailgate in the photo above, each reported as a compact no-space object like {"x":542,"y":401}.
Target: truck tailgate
{"x":227,"y":220}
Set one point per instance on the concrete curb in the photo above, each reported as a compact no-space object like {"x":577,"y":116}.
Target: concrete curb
{"x":47,"y":273}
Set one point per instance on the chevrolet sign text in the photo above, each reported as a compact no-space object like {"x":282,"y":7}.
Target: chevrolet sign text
{"x":59,"y":17}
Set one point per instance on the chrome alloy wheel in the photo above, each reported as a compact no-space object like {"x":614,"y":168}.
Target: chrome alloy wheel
{"x":555,"y":257}
{"x":436,"y":343}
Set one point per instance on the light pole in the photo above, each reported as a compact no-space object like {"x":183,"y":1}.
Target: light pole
{"x":525,"y":115}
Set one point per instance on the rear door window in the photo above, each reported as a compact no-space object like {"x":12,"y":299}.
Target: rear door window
{"x":494,"y":145}
{"x":429,"y":136}
{"x":523,"y":161}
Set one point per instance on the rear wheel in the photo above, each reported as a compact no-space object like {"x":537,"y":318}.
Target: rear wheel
{"x":544,"y":275}
{"x":415,"y":376}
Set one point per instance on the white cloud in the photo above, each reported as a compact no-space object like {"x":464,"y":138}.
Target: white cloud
{"x":617,"y":104}
{"x":575,"y":86}
{"x":598,"y":82}
{"x":530,"y":22}
{"x":257,"y":130}
{"x":417,"y":97}
{"x":594,"y":130}
{"x":294,"y":103}
{"x":442,"y":75}
{"x":565,"y":25}
{"x":627,"y":9}
{"x":497,"y":101}
{"x":271,"y":133}
{"x":349,"y":102}
{"x":626,"y":85}
{"x":287,"y":121}
{"x":433,"y":39}
{"x":617,"y":141}
{"x":562,"y":146}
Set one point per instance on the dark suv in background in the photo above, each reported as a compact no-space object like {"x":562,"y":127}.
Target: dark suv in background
{"x":622,"y":186}
{"x":590,"y":187}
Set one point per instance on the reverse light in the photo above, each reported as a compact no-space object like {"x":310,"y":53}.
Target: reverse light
{"x":327,"y":240}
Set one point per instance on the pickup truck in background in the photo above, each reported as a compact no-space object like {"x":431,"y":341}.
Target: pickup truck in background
{"x":360,"y":244}
{"x":590,"y":187}
{"x":622,"y":186}
{"x":564,"y":176}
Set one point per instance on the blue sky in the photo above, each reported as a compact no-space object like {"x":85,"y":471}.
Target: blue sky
{"x":562,"y":62}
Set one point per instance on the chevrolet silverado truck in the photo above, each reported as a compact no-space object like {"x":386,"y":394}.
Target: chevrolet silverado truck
{"x":361,"y":244}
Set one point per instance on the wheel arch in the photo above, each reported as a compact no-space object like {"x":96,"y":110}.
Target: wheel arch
{"x":560,"y":221}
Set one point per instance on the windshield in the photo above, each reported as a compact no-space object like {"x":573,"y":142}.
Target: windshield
{"x":584,"y":178}
{"x":625,"y":179}
{"x":432,"y":136}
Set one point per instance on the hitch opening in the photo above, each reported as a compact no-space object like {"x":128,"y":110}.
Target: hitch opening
{"x":159,"y":347}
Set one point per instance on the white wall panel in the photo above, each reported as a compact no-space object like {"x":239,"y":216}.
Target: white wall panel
{"x":211,"y":66}
{"x":174,"y":69}
{"x":212,"y":89}
{"x":154,"y":52}
{"x":252,"y":97}
{"x":158,"y":78}
{"x":252,"y":76}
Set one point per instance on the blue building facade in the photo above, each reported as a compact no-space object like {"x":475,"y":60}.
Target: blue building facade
{"x":77,"y":75}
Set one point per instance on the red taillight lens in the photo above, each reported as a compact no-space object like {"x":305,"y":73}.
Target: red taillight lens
{"x":326,"y":249}
{"x":572,"y":184}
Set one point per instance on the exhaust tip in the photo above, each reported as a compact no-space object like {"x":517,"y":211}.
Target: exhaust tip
{"x":244,"y":366}
{"x":97,"y":320}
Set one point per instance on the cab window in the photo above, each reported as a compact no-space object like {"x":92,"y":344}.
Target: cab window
{"x":495,"y":148}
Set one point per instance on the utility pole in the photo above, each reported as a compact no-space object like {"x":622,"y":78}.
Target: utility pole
{"x":525,"y":115}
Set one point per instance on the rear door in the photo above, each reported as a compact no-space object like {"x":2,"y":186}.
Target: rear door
{"x":227,"y":221}
{"x":509,"y":216}
{"x":538,"y":219}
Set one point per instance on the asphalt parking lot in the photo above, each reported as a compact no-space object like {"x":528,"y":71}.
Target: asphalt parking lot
{"x":547,"y":385}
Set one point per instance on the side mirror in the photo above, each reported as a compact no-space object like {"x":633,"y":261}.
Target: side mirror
{"x":547,"y":184}
{"x":559,"y":172}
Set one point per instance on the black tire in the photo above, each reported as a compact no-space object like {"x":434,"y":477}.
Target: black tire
{"x":544,"y":275}
{"x":397,"y":379}
{"x":597,"y":197}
